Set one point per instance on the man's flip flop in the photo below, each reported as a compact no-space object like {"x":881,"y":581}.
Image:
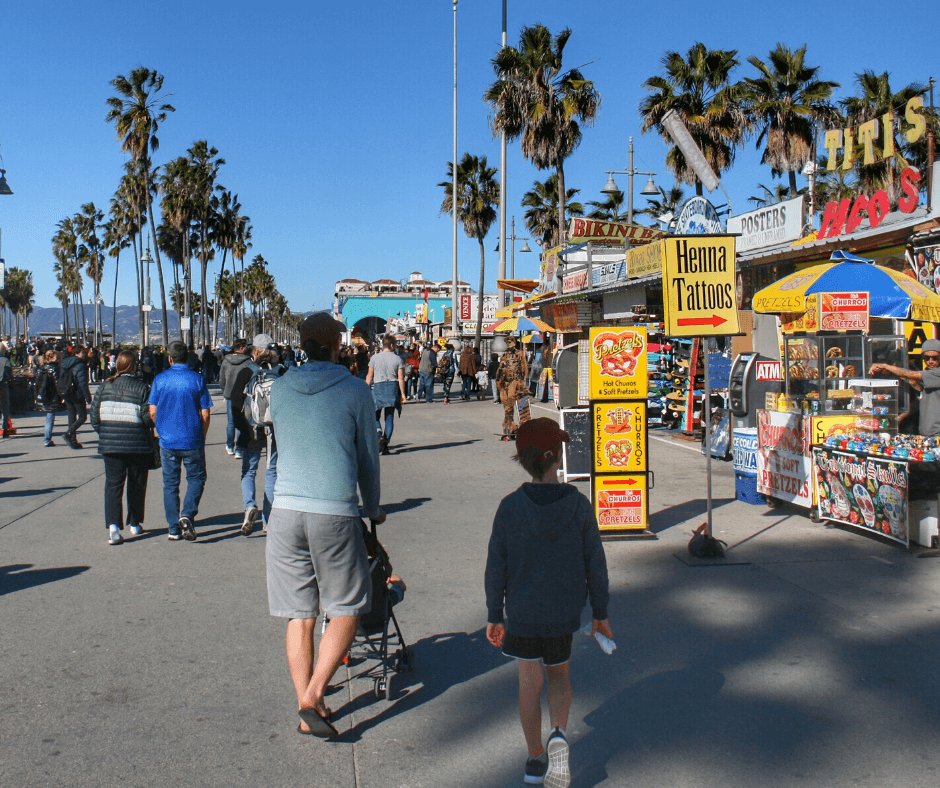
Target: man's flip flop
{"x":319,"y":726}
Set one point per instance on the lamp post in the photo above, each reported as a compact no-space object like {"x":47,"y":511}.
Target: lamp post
{"x":187,"y":326}
{"x":454,"y":195}
{"x":512,"y":258}
{"x":146,"y":260}
{"x":611,"y":187}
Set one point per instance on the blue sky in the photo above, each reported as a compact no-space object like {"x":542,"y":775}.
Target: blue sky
{"x":335,"y":120}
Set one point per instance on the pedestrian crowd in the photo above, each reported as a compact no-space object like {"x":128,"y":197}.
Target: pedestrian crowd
{"x":323,"y":414}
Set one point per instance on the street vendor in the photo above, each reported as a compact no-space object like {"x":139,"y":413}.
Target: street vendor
{"x":927,"y":382}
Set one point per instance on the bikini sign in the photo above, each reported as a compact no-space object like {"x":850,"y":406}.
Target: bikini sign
{"x":844,"y":311}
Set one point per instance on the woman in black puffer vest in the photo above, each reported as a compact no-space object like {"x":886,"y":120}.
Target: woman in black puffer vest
{"x":121,"y":417}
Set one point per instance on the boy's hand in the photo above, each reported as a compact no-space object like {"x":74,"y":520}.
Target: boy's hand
{"x":380,"y":518}
{"x":601,"y":626}
{"x":495,"y":634}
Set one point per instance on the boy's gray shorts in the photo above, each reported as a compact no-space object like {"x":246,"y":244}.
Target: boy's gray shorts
{"x":314,"y":562}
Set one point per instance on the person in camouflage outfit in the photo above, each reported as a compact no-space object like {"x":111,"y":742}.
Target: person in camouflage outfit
{"x":511,"y":382}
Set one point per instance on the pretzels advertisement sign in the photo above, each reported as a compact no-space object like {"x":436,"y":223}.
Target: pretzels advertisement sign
{"x":620,"y":502}
{"x":619,"y":436}
{"x":699,"y":291}
{"x":844,"y":312}
{"x":618,"y":363}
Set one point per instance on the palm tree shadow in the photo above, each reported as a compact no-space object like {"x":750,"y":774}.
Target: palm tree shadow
{"x":441,"y":662}
{"x":14,"y":577}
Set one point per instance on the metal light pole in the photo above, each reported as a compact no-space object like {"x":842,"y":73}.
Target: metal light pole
{"x":146,"y":307}
{"x":187,"y":314}
{"x":454,"y":195}
{"x":525,"y":248}
{"x":611,"y":187}
{"x":503,"y":295}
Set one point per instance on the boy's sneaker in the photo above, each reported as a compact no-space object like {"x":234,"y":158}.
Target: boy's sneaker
{"x":248,"y":524}
{"x":231,"y":452}
{"x":186,"y":526}
{"x":136,"y":530}
{"x":558,"y":774}
{"x":114,"y":535}
{"x":173,"y":536}
{"x":535,"y":771}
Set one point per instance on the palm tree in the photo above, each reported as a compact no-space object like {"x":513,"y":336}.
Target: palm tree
{"x":240,"y":246}
{"x":137,"y":113}
{"x":259,"y":285}
{"x":87,"y":223}
{"x":205,"y":169}
{"x":179,"y":204}
{"x":533,"y":99}
{"x":17,"y":294}
{"x":609,"y":209}
{"x":477,"y":193}
{"x":784,"y":102}
{"x":541,"y":218}
{"x":67,"y":268}
{"x":226,"y":209}
{"x":770,"y":196}
{"x":228,"y":301}
{"x":669,"y":204}
{"x":698,"y":88}
{"x":876,"y":99}
{"x":118,"y":233}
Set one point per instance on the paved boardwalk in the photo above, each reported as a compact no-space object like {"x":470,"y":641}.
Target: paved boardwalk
{"x":811,"y":662}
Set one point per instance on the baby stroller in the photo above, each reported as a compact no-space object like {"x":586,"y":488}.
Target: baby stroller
{"x":379,"y":632}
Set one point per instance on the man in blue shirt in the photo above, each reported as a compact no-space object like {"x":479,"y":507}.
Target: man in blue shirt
{"x":179,"y":406}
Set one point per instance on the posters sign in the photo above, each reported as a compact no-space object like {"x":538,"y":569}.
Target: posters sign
{"x":867,"y":492}
{"x":617,"y":363}
{"x":767,"y":226}
{"x":620,"y":502}
{"x":699,"y":286}
{"x":843,"y":311}
{"x":783,"y":464}
{"x":619,"y":436}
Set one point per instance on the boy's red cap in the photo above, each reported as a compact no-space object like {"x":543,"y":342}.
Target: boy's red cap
{"x":543,"y":434}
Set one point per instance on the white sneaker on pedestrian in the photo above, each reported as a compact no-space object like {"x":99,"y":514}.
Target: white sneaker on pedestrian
{"x":136,"y":530}
{"x":114,"y":535}
{"x":558,"y":774}
{"x":230,"y":451}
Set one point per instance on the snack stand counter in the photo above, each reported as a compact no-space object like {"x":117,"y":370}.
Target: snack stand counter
{"x":817,"y":402}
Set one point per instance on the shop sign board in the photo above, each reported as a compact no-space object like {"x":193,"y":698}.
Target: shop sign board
{"x":848,"y":215}
{"x":548,"y":268}
{"x":620,"y":502}
{"x":925,"y":265}
{"x":844,"y":311}
{"x":608,"y":273}
{"x":784,"y":470}
{"x":918,"y":332}
{"x":744,"y":445}
{"x":822,"y":427}
{"x":867,"y":492}
{"x":565,"y":317}
{"x":774,"y":224}
{"x":646,"y":260}
{"x":617,"y":363}
{"x":619,"y":436}
{"x":698,"y":217}
{"x":768,"y":370}
{"x":699,"y":286}
{"x":597,"y":231}
{"x":571,"y":283}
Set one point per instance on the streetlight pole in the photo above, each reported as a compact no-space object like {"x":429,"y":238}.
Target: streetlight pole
{"x":502,"y":295}
{"x":146,"y":260}
{"x":454,"y":195}
{"x":525,"y":248}
{"x":611,"y":187}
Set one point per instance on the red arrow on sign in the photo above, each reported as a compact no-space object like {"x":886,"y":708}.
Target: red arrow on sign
{"x":629,"y":482}
{"x":714,"y":320}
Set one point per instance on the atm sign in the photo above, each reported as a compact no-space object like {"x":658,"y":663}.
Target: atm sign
{"x":769,"y":370}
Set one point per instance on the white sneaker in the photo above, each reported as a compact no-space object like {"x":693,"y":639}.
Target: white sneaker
{"x":558,"y":774}
{"x":230,"y":451}
{"x":114,"y":535}
{"x":136,"y":530}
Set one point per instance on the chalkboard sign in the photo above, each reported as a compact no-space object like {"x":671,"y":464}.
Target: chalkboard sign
{"x":576,"y":454}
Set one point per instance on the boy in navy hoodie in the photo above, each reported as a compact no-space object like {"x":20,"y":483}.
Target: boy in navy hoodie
{"x":545,"y":558}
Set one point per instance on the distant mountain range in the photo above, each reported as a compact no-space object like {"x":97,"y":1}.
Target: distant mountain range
{"x":46,"y":320}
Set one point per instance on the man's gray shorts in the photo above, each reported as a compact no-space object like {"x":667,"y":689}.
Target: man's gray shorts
{"x":314,"y":562}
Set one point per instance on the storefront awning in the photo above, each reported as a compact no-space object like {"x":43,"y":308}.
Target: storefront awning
{"x":517,"y":285}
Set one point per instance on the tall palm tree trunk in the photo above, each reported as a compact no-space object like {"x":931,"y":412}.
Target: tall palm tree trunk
{"x":562,"y":229}
{"x":156,"y":253}
{"x":479,"y":331}
{"x":117,"y":268}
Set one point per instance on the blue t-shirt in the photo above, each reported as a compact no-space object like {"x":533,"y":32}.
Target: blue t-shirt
{"x":179,"y":394}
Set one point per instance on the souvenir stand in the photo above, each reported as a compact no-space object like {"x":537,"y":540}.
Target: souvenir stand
{"x":833,"y":442}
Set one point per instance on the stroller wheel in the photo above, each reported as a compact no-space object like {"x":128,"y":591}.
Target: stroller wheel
{"x":383,"y":688}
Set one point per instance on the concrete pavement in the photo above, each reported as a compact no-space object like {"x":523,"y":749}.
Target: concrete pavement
{"x":809,"y":659}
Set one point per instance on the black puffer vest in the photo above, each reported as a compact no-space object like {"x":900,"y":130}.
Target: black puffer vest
{"x":121,"y":417}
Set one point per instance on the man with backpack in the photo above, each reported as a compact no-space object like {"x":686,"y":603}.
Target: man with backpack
{"x":445,"y":369}
{"x":426,"y":369}
{"x":233,"y":376}
{"x":72,"y":386}
{"x":253,"y":420}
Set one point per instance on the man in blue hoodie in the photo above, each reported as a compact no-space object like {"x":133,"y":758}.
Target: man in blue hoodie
{"x":324,"y":421}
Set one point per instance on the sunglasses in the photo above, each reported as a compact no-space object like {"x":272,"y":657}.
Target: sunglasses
{"x":932,"y":358}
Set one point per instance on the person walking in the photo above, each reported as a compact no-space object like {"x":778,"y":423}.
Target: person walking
{"x":510,"y":378}
{"x":411,"y":371}
{"x":468,"y":371}
{"x":6,"y":379}
{"x":427,"y":366}
{"x":47,"y":394}
{"x":491,"y":369}
{"x":387,"y":377}
{"x":73,"y":386}
{"x":179,"y":408}
{"x":446,"y":368}
{"x":545,"y":559}
{"x":315,"y":553}
{"x":233,"y":375}
{"x":121,"y":417}
{"x":252,"y":437}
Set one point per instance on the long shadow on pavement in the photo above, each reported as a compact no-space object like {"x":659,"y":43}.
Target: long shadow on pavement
{"x":13,"y":578}
{"x":667,"y":518}
{"x":437,"y":446}
{"x":404,"y":506}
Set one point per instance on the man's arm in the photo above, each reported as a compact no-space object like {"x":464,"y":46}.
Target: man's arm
{"x":370,"y":375}
{"x":401,"y":383}
{"x":912,"y":376}
{"x":153,"y":413}
{"x":204,"y":416}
